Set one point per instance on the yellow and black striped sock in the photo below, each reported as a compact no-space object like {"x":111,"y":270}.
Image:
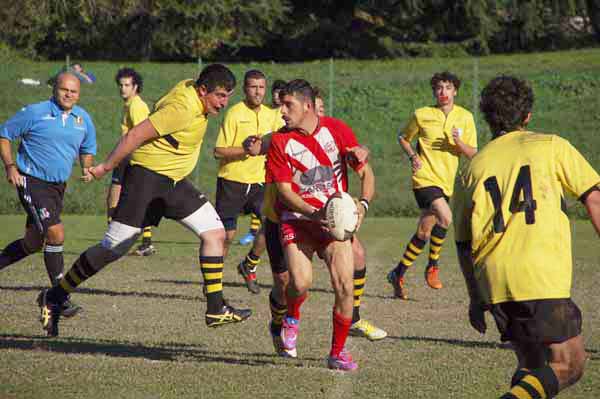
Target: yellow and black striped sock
{"x":147,"y":235}
{"x":79,"y":272}
{"x":252,"y":261}
{"x":438,"y":235}
{"x":360,"y":277}
{"x":536,"y":384}
{"x":278,"y":312}
{"x":212,"y":273}
{"x":254,"y":224}
{"x":412,"y":251}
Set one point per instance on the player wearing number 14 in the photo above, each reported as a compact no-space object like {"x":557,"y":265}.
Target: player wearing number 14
{"x":514,"y":240}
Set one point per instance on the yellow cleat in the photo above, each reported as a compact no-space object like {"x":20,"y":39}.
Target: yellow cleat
{"x":363,"y":328}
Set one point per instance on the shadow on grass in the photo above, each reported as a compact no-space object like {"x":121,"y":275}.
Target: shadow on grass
{"x":95,"y":291}
{"x":124,"y":349}
{"x":243,"y":285}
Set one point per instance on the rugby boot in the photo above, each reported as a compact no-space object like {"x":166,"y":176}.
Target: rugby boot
{"x":249,"y":276}
{"x":432,"y":276}
{"x":364,"y":328}
{"x":49,"y":315}
{"x":398,"y":284}
{"x":227,"y":315}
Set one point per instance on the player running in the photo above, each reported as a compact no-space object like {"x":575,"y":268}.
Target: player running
{"x":165,"y":149}
{"x":307,"y":163}
{"x":514,"y":240}
{"x":444,"y":132}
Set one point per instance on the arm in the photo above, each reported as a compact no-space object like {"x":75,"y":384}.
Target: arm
{"x":414,"y":158}
{"x":476,"y":307}
{"x":295,"y":203}
{"x":461,"y":146}
{"x":12,"y":173}
{"x":592,"y":204}
{"x":86,"y":161}
{"x":129,"y":142}
{"x":367,"y":185}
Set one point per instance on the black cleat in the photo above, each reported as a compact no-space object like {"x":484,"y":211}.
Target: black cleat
{"x":49,"y":314}
{"x":68,"y":308}
{"x":228,"y":314}
{"x":249,"y":276}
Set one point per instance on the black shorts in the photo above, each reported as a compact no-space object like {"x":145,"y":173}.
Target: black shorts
{"x":43,"y":202}
{"x":235,"y":198}
{"x":147,"y":197}
{"x":274,"y":247}
{"x":425,"y":196}
{"x":118,"y":174}
{"x":544,"y":321}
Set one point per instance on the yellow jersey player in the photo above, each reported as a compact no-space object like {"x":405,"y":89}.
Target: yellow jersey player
{"x":135,"y":110}
{"x":164,"y":150}
{"x":444,"y":132}
{"x":514,"y":240}
{"x":241,"y":176}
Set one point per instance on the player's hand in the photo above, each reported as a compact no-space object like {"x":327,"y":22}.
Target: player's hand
{"x":86,"y":176}
{"x":13,"y":176}
{"x":252,"y":145}
{"x":362,"y":212}
{"x":416,"y":163}
{"x":359,"y":153}
{"x":456,"y":133}
{"x":98,"y":171}
{"x":318,"y":215}
{"x":477,"y":317}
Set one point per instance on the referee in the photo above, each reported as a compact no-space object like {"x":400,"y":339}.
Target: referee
{"x":52,"y":135}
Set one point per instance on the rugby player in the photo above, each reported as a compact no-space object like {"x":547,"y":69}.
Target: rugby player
{"x":444,"y":132}
{"x":135,"y":110}
{"x":308,"y":163}
{"x":514,"y":240}
{"x":164,"y":150}
{"x":241,"y":176}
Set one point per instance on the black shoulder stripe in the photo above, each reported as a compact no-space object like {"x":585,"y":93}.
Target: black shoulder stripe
{"x":172,"y":140}
{"x":584,"y":196}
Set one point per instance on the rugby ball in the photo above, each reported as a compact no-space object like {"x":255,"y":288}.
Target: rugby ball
{"x":341,"y":215}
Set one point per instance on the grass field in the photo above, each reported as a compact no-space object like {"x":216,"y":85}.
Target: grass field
{"x":374,"y":97}
{"x":142,"y":333}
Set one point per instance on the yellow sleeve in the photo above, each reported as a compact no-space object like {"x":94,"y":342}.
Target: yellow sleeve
{"x":470,"y":133}
{"x":411,"y":129}
{"x":138,"y":112}
{"x":574,"y":172}
{"x":463,"y":206}
{"x":278,"y":121}
{"x":172,"y":117}
{"x":227,"y":132}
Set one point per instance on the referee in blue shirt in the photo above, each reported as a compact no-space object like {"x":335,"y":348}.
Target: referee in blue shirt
{"x":52,"y":135}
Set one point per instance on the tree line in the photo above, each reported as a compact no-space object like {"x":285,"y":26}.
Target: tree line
{"x":293,"y":30}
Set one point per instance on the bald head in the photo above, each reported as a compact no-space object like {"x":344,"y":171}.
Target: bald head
{"x":66,"y":90}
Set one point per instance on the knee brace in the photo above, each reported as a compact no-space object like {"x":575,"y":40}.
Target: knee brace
{"x":119,"y":238}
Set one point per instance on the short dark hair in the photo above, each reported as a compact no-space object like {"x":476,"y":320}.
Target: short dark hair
{"x":136,"y":78}
{"x":278,"y":85}
{"x":300,"y":89}
{"x":445,"y":77}
{"x":216,"y":75}
{"x":505,"y":103}
{"x":318,"y":92}
{"x":253,"y":74}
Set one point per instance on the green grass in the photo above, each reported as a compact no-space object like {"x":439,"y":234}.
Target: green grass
{"x":142,"y":333}
{"x":374,"y":97}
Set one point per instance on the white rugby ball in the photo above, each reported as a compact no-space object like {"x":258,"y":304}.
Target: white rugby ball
{"x":341,"y":215}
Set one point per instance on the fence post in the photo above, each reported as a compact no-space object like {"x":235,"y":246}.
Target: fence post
{"x":67,"y":61}
{"x":331,"y":77}
{"x":475,"y":94}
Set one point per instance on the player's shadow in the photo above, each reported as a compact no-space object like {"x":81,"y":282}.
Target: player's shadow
{"x":179,"y":352}
{"x":236,"y":284}
{"x":451,"y":341}
{"x":97,"y":291}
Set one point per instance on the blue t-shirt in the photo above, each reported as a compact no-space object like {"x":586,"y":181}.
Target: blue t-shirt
{"x":50,"y":140}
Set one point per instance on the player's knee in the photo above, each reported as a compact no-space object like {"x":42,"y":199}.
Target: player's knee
{"x":576,"y":366}
{"x":445,"y":220}
{"x":423,"y":233}
{"x":343,"y":287}
{"x":216,"y":237}
{"x":119,"y":238}
{"x":56,"y":234}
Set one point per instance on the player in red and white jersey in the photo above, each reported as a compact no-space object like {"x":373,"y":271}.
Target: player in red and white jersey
{"x":309,"y":162}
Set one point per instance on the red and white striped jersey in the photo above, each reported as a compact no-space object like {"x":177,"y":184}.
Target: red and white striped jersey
{"x":316,"y":165}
